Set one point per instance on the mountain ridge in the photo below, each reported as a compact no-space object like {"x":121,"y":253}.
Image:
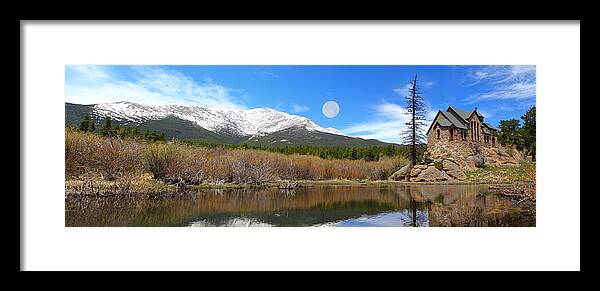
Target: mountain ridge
{"x":241,"y":121}
{"x":258,"y":126}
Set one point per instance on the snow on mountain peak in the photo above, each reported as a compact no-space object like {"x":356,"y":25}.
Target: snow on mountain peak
{"x":256,"y":121}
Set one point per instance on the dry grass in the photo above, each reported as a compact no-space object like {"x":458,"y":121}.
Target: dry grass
{"x":114,"y":158}
{"x":110,"y":158}
{"x":529,"y":169}
{"x":524,"y":172}
{"x":132,"y":184}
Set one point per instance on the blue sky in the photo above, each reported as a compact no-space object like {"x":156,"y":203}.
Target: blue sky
{"x":370,"y":97}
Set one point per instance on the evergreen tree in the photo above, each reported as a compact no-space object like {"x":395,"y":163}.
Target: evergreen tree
{"x":92,"y":127}
{"x":128,"y":132}
{"x":509,"y":132}
{"x":413,"y":135}
{"x":136,"y":132}
{"x":106,"y":129}
{"x":527,"y":132}
{"x":373,"y":153}
{"x":116,"y":130}
{"x":84,"y":123}
{"x":522,"y":137}
{"x":354,"y":155}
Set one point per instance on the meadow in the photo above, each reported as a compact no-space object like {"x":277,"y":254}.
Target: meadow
{"x":91,"y":156}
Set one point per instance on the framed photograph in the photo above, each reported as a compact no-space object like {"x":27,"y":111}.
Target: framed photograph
{"x":307,"y":143}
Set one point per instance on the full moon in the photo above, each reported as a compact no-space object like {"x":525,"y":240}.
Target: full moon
{"x":331,"y":109}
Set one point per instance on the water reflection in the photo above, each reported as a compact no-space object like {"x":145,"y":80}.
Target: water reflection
{"x":397,"y":218}
{"x":340,"y":206}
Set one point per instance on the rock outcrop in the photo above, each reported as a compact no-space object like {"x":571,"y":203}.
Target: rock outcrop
{"x":415,"y":172}
{"x":502,"y":156}
{"x":431,"y":174}
{"x":450,"y":171}
{"x":453,"y":170}
{"x":469,"y":156}
{"x":401,"y":174}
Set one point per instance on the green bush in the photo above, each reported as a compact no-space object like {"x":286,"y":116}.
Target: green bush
{"x":438,"y":164}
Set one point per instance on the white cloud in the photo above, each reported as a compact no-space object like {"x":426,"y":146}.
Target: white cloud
{"x":264,"y":72}
{"x":87,"y":73}
{"x":507,"y":82}
{"x":405,"y":90}
{"x":513,"y":107}
{"x":146,"y":85}
{"x":388,"y":124}
{"x":485,"y":113}
{"x":271,"y":74}
{"x":296,"y":108}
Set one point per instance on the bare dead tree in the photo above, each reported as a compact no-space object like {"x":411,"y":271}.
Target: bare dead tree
{"x":413,"y":134}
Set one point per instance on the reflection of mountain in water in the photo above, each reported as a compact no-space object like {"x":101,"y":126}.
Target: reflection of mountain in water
{"x":397,"y":218}
{"x":365,"y":205}
{"x":314,"y":215}
{"x":389,"y":219}
{"x":231,"y":222}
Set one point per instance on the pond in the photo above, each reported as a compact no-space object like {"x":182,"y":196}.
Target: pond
{"x":321,"y":206}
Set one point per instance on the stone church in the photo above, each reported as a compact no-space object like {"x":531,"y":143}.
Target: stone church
{"x":460,"y":134}
{"x":458,"y":141}
{"x":461,"y":127}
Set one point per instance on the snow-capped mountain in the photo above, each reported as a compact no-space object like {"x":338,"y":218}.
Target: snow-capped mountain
{"x":254,"y":127}
{"x":250,"y":122}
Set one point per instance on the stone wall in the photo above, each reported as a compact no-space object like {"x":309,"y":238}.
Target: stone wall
{"x":456,"y":149}
{"x":466,"y":152}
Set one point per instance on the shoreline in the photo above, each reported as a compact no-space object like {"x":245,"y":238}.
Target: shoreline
{"x":522,"y":193}
{"x":151,"y":185}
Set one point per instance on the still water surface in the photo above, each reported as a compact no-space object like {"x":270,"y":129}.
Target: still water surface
{"x":327,"y":206}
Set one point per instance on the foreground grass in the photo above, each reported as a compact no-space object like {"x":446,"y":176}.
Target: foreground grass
{"x":138,"y":184}
{"x":147,"y":185}
{"x":525,"y":172}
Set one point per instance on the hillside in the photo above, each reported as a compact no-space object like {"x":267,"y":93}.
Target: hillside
{"x":256,"y":127}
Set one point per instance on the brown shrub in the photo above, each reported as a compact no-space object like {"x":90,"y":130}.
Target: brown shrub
{"x":174,"y":163}
{"x":111,"y":158}
{"x":185,"y":164}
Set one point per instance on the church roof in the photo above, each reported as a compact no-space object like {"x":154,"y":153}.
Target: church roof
{"x":490,"y":127}
{"x":486,"y":130}
{"x":464,"y":115}
{"x":458,"y":118}
{"x":445,"y":123}
{"x":455,"y":121}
